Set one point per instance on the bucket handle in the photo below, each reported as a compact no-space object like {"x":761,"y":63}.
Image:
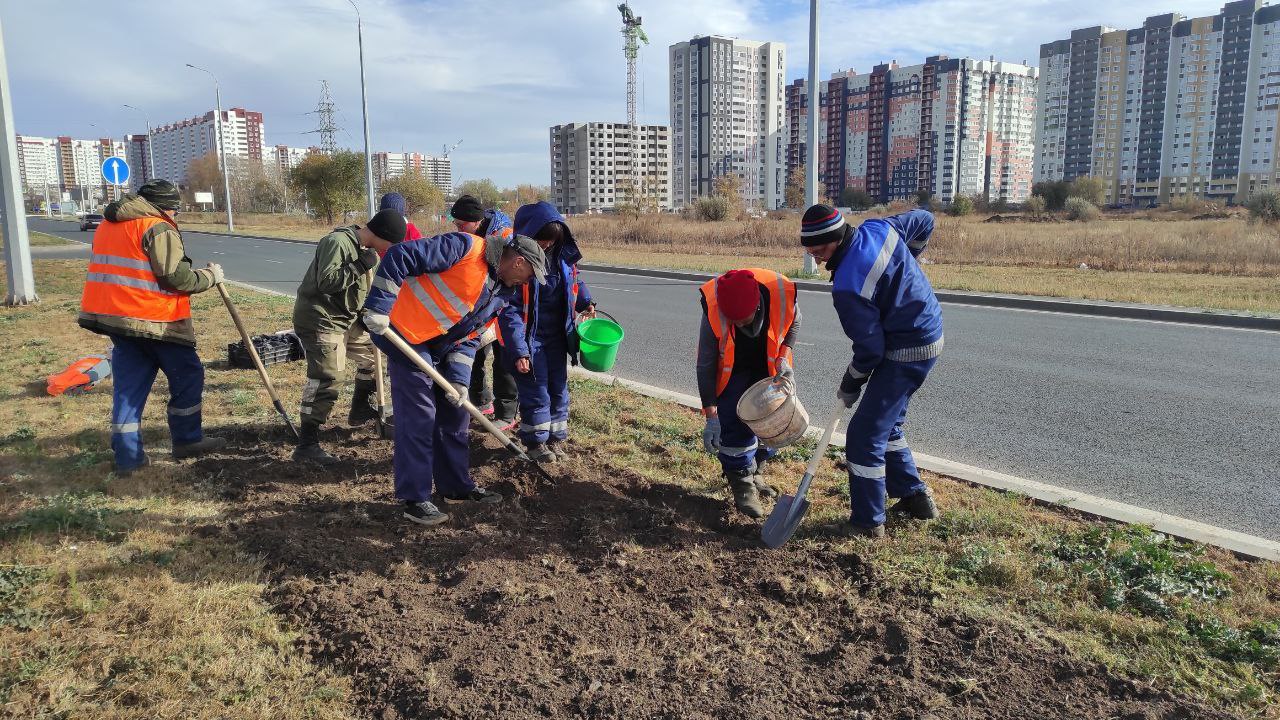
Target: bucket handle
{"x":599,"y":313}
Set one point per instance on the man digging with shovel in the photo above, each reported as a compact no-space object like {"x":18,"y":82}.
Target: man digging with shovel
{"x":324,"y":317}
{"x":887,"y":308}
{"x":437,"y":294}
{"x":749,"y":324}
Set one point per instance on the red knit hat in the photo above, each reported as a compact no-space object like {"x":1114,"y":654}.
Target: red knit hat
{"x":738,"y":295}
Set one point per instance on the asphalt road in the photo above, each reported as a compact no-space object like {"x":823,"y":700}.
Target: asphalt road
{"x":1177,"y":418}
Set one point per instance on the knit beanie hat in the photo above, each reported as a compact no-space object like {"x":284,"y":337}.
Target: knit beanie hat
{"x":738,"y":295}
{"x":467,"y":209}
{"x":393,"y":201}
{"x":161,"y":193}
{"x":388,"y":225}
{"x":821,"y":224}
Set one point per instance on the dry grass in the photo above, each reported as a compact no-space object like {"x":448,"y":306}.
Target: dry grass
{"x":112,"y":603}
{"x":991,"y":555}
{"x":293,"y":227}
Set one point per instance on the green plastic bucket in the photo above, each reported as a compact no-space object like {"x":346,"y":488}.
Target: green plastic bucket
{"x":598,"y":340}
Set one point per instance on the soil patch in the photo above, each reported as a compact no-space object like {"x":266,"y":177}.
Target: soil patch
{"x":603,"y":594}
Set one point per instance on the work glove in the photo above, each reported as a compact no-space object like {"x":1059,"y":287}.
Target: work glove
{"x":711,"y":435}
{"x":368,"y":259}
{"x":850,"y":388}
{"x":461,"y":391}
{"x":215,"y":273}
{"x":376,"y":323}
{"x":785,"y":374}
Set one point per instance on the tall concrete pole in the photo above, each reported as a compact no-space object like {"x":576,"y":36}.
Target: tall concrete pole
{"x":364,"y":108}
{"x":222,"y":145}
{"x":811,"y":150}
{"x":21,"y":287}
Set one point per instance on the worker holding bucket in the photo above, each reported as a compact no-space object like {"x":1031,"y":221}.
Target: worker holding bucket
{"x":749,"y":324}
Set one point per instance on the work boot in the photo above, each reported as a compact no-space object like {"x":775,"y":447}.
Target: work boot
{"x":504,"y":424}
{"x":146,"y":460}
{"x":424,"y":513}
{"x":309,"y":449}
{"x":362,"y":403}
{"x":201,"y":447}
{"x":745,"y":496}
{"x":540,"y":453}
{"x":919,"y":506}
{"x":479,"y":495}
{"x":875,"y":532}
{"x":560,"y":448}
{"x":485,"y":409}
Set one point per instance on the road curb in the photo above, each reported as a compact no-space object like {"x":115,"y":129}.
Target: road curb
{"x":1013,"y":302}
{"x":1236,"y":542}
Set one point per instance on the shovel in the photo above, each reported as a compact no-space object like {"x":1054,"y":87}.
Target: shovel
{"x":789,"y":511}
{"x":460,"y":400}
{"x":381,"y":387}
{"x":257,"y":361}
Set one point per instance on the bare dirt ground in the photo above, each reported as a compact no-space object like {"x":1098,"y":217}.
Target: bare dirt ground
{"x":605,"y":595}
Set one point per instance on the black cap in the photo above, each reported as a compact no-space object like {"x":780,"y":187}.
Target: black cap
{"x":820,"y":225}
{"x":388,"y":225}
{"x":161,"y":193}
{"x":468,"y":209}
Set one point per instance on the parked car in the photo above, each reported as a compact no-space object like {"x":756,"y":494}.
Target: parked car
{"x":90,"y":221}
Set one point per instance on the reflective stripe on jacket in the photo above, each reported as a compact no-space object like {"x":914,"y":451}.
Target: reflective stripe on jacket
{"x":427,"y":306}
{"x":121,"y":281}
{"x":781,"y":293}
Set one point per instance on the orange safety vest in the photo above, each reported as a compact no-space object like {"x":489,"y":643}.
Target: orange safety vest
{"x":435,"y":302}
{"x":121,"y":281}
{"x":782,"y":313}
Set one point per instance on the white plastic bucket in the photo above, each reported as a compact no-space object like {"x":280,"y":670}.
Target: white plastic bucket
{"x":774,"y":413}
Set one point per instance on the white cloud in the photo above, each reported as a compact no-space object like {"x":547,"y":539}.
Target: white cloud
{"x":496,"y":73}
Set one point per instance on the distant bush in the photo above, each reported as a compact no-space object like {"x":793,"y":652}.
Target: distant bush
{"x":878,"y":209}
{"x":1082,"y":210}
{"x":1055,"y":194}
{"x":1264,"y":206}
{"x":855,"y":199}
{"x":713,"y":209}
{"x":1034,"y":206}
{"x":1089,"y":188}
{"x":960,"y":207}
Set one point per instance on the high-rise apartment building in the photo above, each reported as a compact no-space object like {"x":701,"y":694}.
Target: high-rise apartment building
{"x":797,"y":107}
{"x":1176,"y":107}
{"x":727,"y":103}
{"x":595,"y":165}
{"x":950,"y":127}
{"x":175,"y":145}
{"x":38,"y":166}
{"x":139,"y":160}
{"x":282,"y":158}
{"x":437,"y":170}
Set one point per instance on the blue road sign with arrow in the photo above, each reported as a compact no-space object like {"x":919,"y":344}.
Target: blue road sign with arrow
{"x":115,"y":170}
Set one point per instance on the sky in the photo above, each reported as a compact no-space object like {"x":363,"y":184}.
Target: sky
{"x":495,"y":74}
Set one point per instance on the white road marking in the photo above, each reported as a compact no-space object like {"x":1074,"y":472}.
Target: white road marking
{"x":602,"y":287}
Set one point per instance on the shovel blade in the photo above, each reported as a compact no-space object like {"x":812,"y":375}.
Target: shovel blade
{"x":788,"y":513}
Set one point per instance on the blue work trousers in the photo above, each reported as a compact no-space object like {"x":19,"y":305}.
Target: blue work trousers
{"x":879,"y":460}
{"x":544,"y":392}
{"x":739,"y":447}
{"x":431,"y":434}
{"x":134,"y":363}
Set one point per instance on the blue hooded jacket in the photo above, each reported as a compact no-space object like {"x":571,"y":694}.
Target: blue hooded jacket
{"x":519,"y":322}
{"x":885,"y":303}
{"x":455,"y":351}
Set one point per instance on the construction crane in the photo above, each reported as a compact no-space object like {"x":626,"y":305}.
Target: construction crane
{"x":446,"y":149}
{"x":631,"y":49}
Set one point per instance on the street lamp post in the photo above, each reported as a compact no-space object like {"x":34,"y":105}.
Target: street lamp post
{"x":364,"y":108}
{"x":151,"y":158}
{"x":811,"y":171}
{"x":222,"y":146}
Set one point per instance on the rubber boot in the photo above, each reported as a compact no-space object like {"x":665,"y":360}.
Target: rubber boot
{"x":745,"y":496}
{"x":309,"y":449}
{"x":362,"y":403}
